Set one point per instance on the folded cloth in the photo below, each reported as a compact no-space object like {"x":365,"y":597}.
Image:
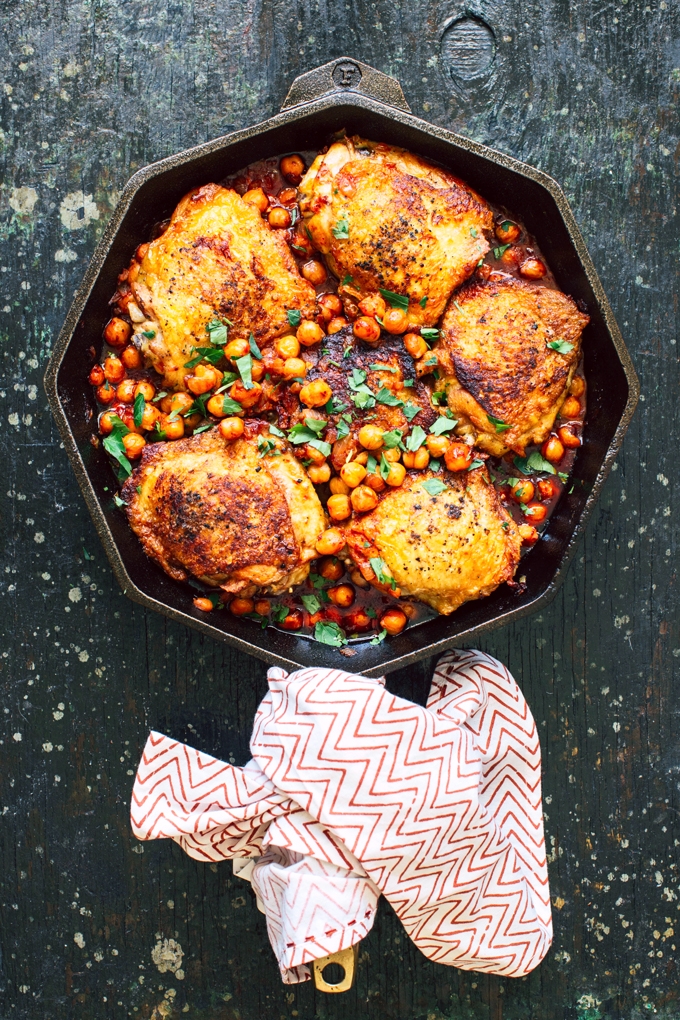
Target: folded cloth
{"x":353,"y":792}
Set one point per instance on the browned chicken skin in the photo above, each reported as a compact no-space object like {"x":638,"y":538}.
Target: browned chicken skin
{"x":495,"y":361}
{"x":224,"y":513}
{"x":411,"y":227}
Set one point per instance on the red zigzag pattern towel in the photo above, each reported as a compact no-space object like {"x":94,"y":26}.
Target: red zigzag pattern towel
{"x":353,"y":792}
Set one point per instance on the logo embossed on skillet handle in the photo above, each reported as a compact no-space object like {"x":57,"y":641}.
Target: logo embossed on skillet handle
{"x":345,"y":75}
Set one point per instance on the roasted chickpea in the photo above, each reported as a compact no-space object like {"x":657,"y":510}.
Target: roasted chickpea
{"x":393,"y":621}
{"x":363,"y":499}
{"x":396,"y":476}
{"x":523,"y":491}
{"x":294,"y":368}
{"x":257,"y":370}
{"x":571,"y":408}
{"x":533,"y":269}
{"x":339,"y":487}
{"x":458,"y":457}
{"x":547,"y":488}
{"x":512,"y":256}
{"x":319,"y":473}
{"x":342,"y":595}
{"x":507,"y":232}
{"x":287,"y":196}
{"x":134,"y":445}
{"x":357,"y":620}
{"x":309,"y":333}
{"x":241,"y":606}
{"x":371,"y":437}
{"x":263,"y":607}
{"x":114,"y":369}
{"x":106,"y":422}
{"x":257,"y":197}
{"x":125,"y":391}
{"x":352,"y":473}
{"x":351,"y":308}
{"x":179,"y":402}
{"x":287,"y":346}
{"x":375,"y":482}
{"x":236,"y":349}
{"x":204,"y":379}
{"x":330,"y":306}
{"x":361,"y":457}
{"x":231,"y":428}
{"x":292,"y":168}
{"x":205,"y":605}
{"x":338,"y":506}
{"x":165,"y":403}
{"x":314,"y":272}
{"x":528,"y":534}
{"x":117,"y":332}
{"x":415,"y":345}
{"x":150,"y":415}
{"x":96,"y":375}
{"x":279,"y":218}
{"x":395,"y":321}
{"x":418,"y":460}
{"x":316,"y":394}
{"x":331,"y":568}
{"x":358,"y":578}
{"x":106,"y":393}
{"x":437,"y":445}
{"x":330,"y":542}
{"x":392,"y":455}
{"x":246,"y":398}
{"x":336,"y":324}
{"x":131,"y":357}
{"x":373,"y":305}
{"x":553,"y":450}
{"x":215,"y":406}
{"x":578,"y":386}
{"x":293,"y":621}
{"x":173,"y":427}
{"x":568,"y":437}
{"x":536,"y":512}
{"x":367,"y":329}
{"x":147,"y":389}
{"x":311,"y":453}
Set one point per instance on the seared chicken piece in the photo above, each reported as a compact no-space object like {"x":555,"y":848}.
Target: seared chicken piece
{"x":368,"y":385}
{"x":224,"y":512}
{"x":446,"y":549}
{"x":388,"y":219}
{"x":218,"y":259}
{"x":496,"y":361}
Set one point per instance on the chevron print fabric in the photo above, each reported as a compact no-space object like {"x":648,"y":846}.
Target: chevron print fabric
{"x":353,"y":792}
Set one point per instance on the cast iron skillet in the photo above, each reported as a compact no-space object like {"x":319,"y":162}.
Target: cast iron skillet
{"x":346,"y":94}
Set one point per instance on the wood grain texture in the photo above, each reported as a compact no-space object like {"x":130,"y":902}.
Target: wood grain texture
{"x":94,"y":90}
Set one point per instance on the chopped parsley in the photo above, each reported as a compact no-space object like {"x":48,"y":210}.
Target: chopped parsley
{"x":422,"y":302}
{"x":381,"y":571}
{"x":209,"y":354}
{"x":347,"y":278}
{"x":342,"y":429}
{"x":118,"y":500}
{"x":500,"y":425}
{"x":217,"y":332}
{"x":385,"y":396}
{"x":149,"y":333}
{"x":382,"y":368}
{"x":380,"y":637}
{"x":438,"y":396}
{"x":392,"y":439}
{"x":476,"y":463}
{"x":434,"y":486}
{"x":371,"y":464}
{"x":230,"y":406}
{"x":410,"y":410}
{"x":341,"y":230}
{"x":329,"y":633}
{"x":534,"y":462}
{"x":204,"y":428}
{"x":385,"y":467}
{"x":429,"y":333}
{"x":244,"y":366}
{"x":442,"y":425}
{"x":473,"y":232}
{"x":274,"y":431}
{"x":415,"y":439}
{"x":113,"y":444}
{"x":279,"y":613}
{"x":311,"y":603}
{"x":138,"y":410}
{"x":561,"y":346}
{"x":254,"y":349}
{"x":498,"y":252}
{"x":293,"y":316}
{"x":395,"y":300}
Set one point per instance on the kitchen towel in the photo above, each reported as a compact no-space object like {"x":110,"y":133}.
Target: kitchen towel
{"x":353,"y":793}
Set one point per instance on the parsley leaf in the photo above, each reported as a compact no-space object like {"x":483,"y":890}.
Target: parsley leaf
{"x":254,"y":349}
{"x":384,"y":467}
{"x":410,"y":410}
{"x":357,"y":377}
{"x":138,"y":410}
{"x":395,"y":300}
{"x":385,"y":396}
{"x":204,"y":428}
{"x":435,"y":465}
{"x":342,"y":429}
{"x":501,"y":426}
{"x":416,"y":439}
{"x":498,"y":252}
{"x":434,"y":486}
{"x":429,"y":332}
{"x":476,"y":463}
{"x":329,"y":634}
{"x":317,"y":425}
{"x":534,"y":462}
{"x":311,"y":603}
{"x":113,"y":444}
{"x":149,"y":333}
{"x":363,"y":398}
{"x":371,"y":464}
{"x":230,"y":406}
{"x":279,"y":613}
{"x":442,"y":425}
{"x":438,"y":396}
{"x":379,"y":638}
{"x":561,"y":346}
{"x":381,"y":571}
{"x":382,"y":368}
{"x":341,"y":230}
{"x":321,"y":446}
{"x":293,"y":316}
{"x":118,"y":500}
{"x":422,"y":302}
{"x":392,"y":439}
{"x":274,"y":431}
{"x":209,"y":354}
{"x":217,"y":333}
{"x":245,"y":369}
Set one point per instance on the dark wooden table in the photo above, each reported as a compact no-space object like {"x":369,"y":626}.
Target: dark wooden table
{"x":94,"y":90}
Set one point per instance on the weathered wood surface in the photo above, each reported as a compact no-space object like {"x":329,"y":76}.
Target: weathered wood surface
{"x":94,"y":90}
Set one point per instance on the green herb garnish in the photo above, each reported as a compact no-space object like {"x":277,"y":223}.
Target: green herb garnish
{"x":434,"y":486}
{"x":382,"y":368}
{"x":254,"y":349}
{"x":422,"y":302}
{"x":410,"y":410}
{"x":294,"y":317}
{"x":561,"y":346}
{"x":230,"y":406}
{"x":217,"y":332}
{"x":384,"y":467}
{"x":113,"y":444}
{"x":341,"y":230}
{"x":379,"y":638}
{"x":244,"y":366}
{"x":534,"y":462}
{"x":500,"y":425}
{"x":415,"y":439}
{"x":138,"y":410}
{"x":498,"y":252}
{"x":149,"y":333}
{"x":279,"y":613}
{"x":386,"y":397}
{"x":381,"y":571}
{"x":476,"y":463}
{"x":429,"y":333}
{"x":118,"y":500}
{"x":442,"y":425}
{"x":311,"y":603}
{"x":329,"y":634}
{"x":395,"y":300}
{"x":393,"y":439}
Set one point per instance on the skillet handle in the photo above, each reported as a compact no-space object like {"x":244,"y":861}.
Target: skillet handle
{"x":345,"y":75}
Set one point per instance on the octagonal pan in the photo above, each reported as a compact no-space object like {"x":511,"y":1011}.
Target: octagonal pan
{"x":345,"y":94}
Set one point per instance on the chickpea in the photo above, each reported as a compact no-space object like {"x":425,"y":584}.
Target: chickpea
{"x":338,"y":506}
{"x":341,"y":595}
{"x":292,"y":168}
{"x":330,"y":542}
{"x":311,"y":453}
{"x":352,"y":473}
{"x":96,"y":375}
{"x":418,"y":460}
{"x":536,"y":512}
{"x":373,"y":305}
{"x":150,"y":415}
{"x":395,"y":321}
{"x":547,"y":488}
{"x":437,"y":445}
{"x":125,"y":391}
{"x":396,"y":476}
{"x":134,"y":445}
{"x":239,"y":606}
{"x":263,"y":607}
{"x":106,"y":422}
{"x":293,"y":621}
{"x":393,"y":455}
{"x":338,"y":487}
{"x":528,"y":534}
{"x":236,"y":349}
{"x":257,"y":197}
{"x":231,"y":428}
{"x":336,"y":324}
{"x":179,"y":402}
{"x":523,"y":491}
{"x":375,"y":482}
{"x":257,"y":370}
{"x":106,"y":393}
{"x":362,"y":457}
{"x":350,"y":308}
{"x":173,"y":427}
{"x":215,"y":406}
{"x":294,"y":368}
{"x":367,"y":329}
{"x":205,"y":605}
{"x":371,"y":437}
{"x":364,"y":499}
{"x":114,"y":369}
{"x":458,"y":457}
{"x":533,"y":269}
{"x":571,"y":408}
{"x":319,"y":473}
{"x":246,"y":398}
{"x":358,"y":578}
{"x":117,"y":332}
{"x":512,"y":256}
{"x":316,"y":394}
{"x":131,"y":357}
{"x":330,"y":306}
{"x":279,"y":218}
{"x":331,"y":568}
{"x":309,"y":333}
{"x":357,"y":620}
{"x":568,"y":437}
{"x":553,"y":450}
{"x":146,"y":388}
{"x":507,"y":232}
{"x":415,"y":345}
{"x":204,"y":379}
{"x":578,"y":386}
{"x":165,"y":404}
{"x":393,"y":621}
{"x":287,"y":346}
{"x":288,"y":196}
{"x":314,"y":272}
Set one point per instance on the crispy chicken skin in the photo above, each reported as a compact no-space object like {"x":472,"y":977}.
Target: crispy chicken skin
{"x":444,"y":550}
{"x":494,"y":360}
{"x":219,"y":511}
{"x":217,"y":258}
{"x":413,"y":228}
